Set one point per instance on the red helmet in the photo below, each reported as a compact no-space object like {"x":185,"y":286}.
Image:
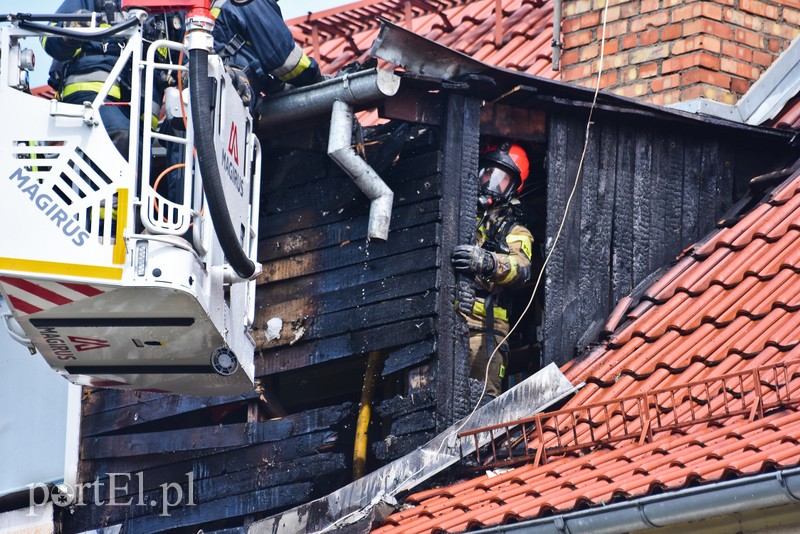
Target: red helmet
{"x":503,"y":169}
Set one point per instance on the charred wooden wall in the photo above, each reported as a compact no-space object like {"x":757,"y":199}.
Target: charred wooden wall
{"x":337,"y":297}
{"x":646,"y":191}
{"x":153,"y":462}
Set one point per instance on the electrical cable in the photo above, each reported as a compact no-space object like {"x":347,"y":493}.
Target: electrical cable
{"x":563,"y":217}
{"x":466,"y":420}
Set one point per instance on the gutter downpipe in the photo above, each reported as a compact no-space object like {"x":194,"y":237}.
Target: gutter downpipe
{"x":557,"y":44}
{"x":339,"y":96}
{"x":364,"y":176}
{"x":655,"y":511}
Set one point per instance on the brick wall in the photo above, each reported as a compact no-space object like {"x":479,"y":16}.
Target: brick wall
{"x":667,"y":51}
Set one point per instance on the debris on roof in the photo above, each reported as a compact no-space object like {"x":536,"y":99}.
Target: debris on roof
{"x":698,"y":384}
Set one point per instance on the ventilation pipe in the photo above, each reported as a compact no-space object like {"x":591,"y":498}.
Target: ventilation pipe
{"x":364,"y":176}
{"x":557,"y":44}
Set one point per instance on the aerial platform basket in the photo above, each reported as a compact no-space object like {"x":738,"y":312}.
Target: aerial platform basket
{"x":112,"y":283}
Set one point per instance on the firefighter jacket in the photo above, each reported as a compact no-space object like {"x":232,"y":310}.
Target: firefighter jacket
{"x":511,"y":243}
{"x":81,"y":67}
{"x":84,"y":65}
{"x":255,"y":37}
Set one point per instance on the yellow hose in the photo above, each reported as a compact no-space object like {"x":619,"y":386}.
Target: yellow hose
{"x":374,"y":367}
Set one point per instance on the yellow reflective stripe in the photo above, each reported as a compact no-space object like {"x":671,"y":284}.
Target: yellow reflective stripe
{"x":512,"y":273}
{"x":94,"y":87}
{"x":302,"y":65}
{"x":153,"y":121}
{"x":66,"y":269}
{"x":34,"y":155}
{"x":215,"y":12}
{"x":499,"y":313}
{"x":118,"y":256}
{"x":525,"y":243}
{"x":162,"y":51}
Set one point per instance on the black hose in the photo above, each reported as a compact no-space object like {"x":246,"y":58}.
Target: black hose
{"x":200,"y":94}
{"x":76,"y":35}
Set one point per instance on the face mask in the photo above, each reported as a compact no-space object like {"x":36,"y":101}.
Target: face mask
{"x":496,"y":186}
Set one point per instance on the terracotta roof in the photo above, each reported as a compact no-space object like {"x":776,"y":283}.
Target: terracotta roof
{"x":701,"y":382}
{"x":789,"y":116}
{"x":521,"y":41}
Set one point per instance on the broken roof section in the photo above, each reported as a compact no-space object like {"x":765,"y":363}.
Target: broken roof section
{"x":699,"y":384}
{"x":514,"y":34}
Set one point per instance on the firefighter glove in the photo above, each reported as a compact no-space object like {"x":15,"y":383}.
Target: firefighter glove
{"x":474,"y":260}
{"x":241,"y":84}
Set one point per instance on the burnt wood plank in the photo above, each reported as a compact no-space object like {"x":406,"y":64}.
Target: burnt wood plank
{"x":360,"y":317}
{"x":100,"y":400}
{"x":393,"y":447}
{"x":351,"y":254}
{"x":353,"y":343}
{"x":412,"y":423}
{"x":691,"y":191}
{"x":152,"y":410}
{"x":600,"y":291}
{"x":709,"y":180}
{"x":335,"y":186}
{"x":343,"y":233}
{"x":460,"y":144}
{"x":673,"y":213}
{"x":557,"y":180}
{"x":408,"y":356}
{"x":213,"y":477}
{"x":218,"y":436}
{"x":622,"y":239}
{"x":570,"y":240}
{"x":283,"y":221}
{"x":657,"y":200}
{"x":404,"y":404}
{"x":590,"y":264}
{"x":303,"y":310}
{"x":230,"y":507}
{"x":642,"y":180}
{"x":345,"y":278}
{"x":726,"y":185}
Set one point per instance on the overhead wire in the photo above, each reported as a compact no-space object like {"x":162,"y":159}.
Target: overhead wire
{"x":549,"y":255}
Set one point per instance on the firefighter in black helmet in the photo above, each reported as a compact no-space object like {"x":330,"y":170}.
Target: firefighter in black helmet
{"x":499,"y":259}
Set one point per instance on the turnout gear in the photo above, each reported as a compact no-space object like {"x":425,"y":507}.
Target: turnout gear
{"x":241,"y":84}
{"x":255,"y":38}
{"x":500,"y":259}
{"x":81,"y":67}
{"x":474,"y":260}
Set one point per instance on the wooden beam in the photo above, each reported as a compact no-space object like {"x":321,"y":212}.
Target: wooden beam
{"x":511,"y":122}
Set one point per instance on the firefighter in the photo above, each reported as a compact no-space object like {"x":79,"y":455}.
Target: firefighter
{"x":80,"y":68}
{"x":255,"y":39}
{"x":499,"y":259}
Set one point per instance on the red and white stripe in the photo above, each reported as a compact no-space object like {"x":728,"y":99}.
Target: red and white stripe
{"x":28,"y":297}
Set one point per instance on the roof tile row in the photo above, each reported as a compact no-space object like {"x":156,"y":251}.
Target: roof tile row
{"x":726,"y":310}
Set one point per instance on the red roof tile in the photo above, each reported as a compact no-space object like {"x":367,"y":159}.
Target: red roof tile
{"x":337,"y":37}
{"x":701,"y":383}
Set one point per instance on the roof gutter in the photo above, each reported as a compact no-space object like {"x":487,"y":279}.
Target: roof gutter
{"x":672,"y":508}
{"x":339,"y":96}
{"x":358,"y":89}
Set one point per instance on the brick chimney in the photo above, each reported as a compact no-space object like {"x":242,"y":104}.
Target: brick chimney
{"x":668,"y":51}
